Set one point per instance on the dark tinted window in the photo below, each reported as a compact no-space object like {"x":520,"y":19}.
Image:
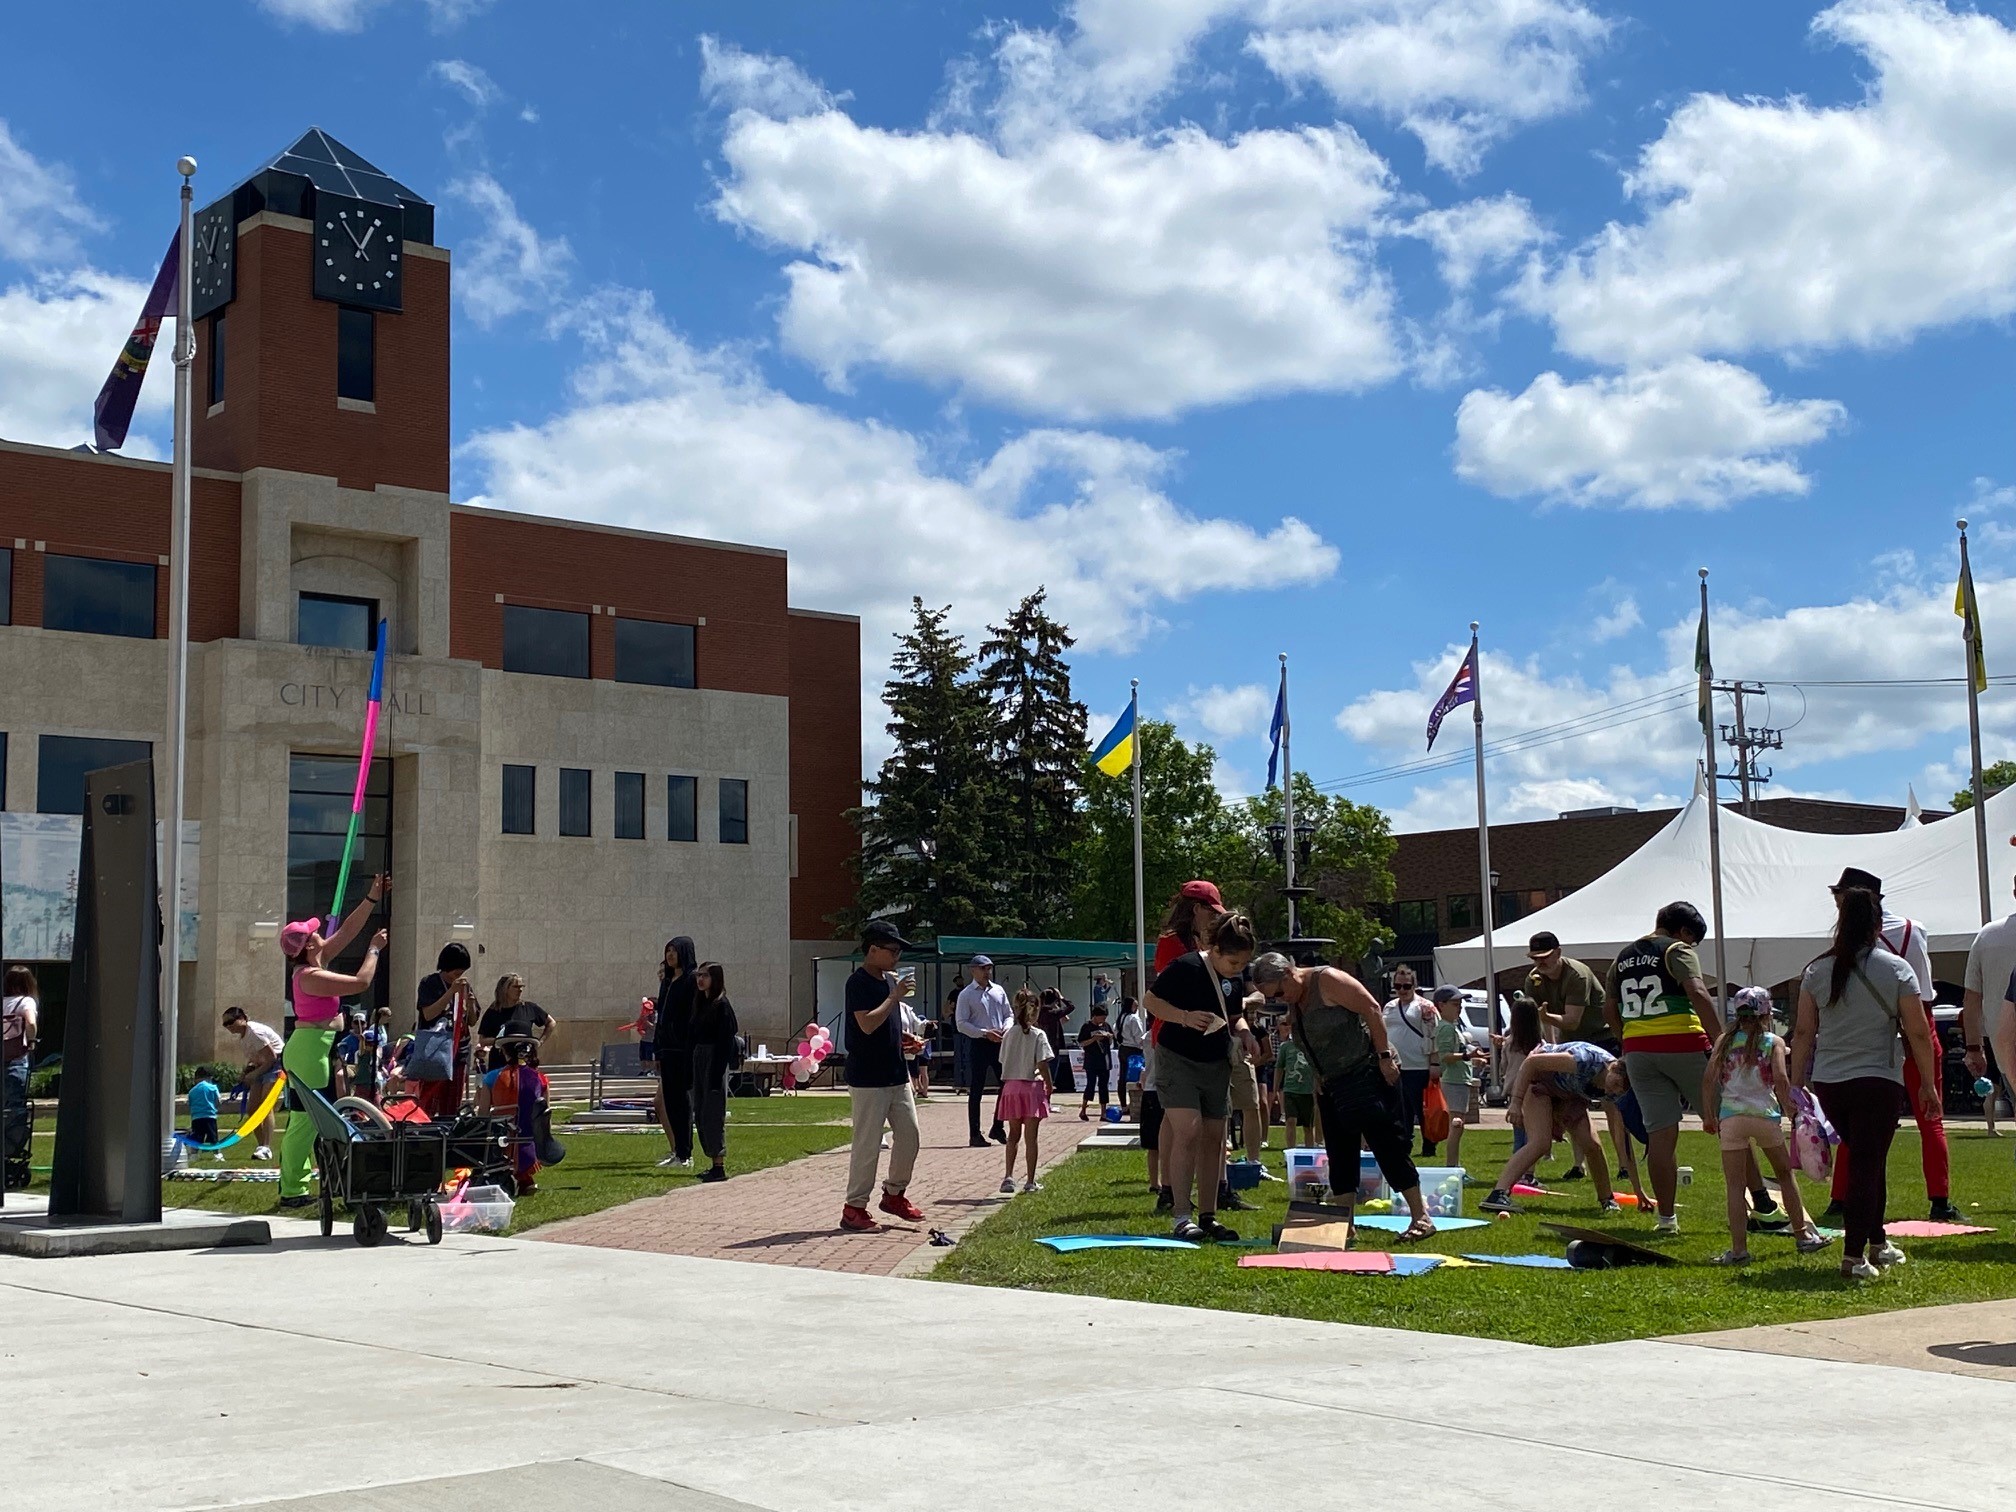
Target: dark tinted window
{"x":682,"y":808}
{"x":96,"y":596}
{"x":356,"y":354}
{"x":648,"y":652}
{"x":63,"y":761}
{"x":349,"y":624}
{"x":521,"y":785}
{"x":734,"y":811}
{"x":577,"y":801}
{"x":6,"y":585}
{"x":629,"y":805}
{"x":549,"y":641}
{"x":217,"y":358}
{"x":1414,"y":917}
{"x":318,"y":815}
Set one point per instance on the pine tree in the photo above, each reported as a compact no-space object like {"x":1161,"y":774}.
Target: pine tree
{"x":1039,"y":757}
{"x":929,"y":827}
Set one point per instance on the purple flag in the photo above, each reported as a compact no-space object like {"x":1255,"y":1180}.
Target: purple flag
{"x":113,"y":412}
{"x":1462,"y":690}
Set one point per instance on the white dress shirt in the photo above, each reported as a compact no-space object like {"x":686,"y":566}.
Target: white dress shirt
{"x":982,"y":1009}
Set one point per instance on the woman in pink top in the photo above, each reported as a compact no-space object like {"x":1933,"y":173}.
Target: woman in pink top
{"x":318,"y":1015}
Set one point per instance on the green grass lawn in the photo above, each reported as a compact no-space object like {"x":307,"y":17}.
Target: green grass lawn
{"x":1099,"y":1191}
{"x":601,"y":1170}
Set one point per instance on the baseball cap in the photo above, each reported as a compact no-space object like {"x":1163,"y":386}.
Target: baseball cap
{"x":1854,"y":876}
{"x":1445,"y":995}
{"x":1542,"y":943}
{"x":294,"y":938}
{"x":1752,"y":1002}
{"x":882,"y":932}
{"x":981,"y":960}
{"x":1203,"y":892}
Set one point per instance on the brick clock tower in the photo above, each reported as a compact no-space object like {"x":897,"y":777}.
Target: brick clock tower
{"x":321,"y":312}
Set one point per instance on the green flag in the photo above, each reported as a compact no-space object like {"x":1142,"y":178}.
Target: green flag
{"x":1702,"y":667}
{"x":1970,"y":614}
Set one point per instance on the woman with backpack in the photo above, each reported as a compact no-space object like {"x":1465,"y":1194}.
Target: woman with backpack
{"x":716,"y":1050}
{"x":1855,"y":1002}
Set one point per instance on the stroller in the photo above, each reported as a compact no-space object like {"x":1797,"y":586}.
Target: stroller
{"x":519,"y":1094}
{"x":371,"y":1163}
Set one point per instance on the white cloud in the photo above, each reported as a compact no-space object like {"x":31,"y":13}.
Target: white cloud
{"x":1620,"y":620}
{"x":58,"y":337}
{"x":1458,"y":74}
{"x":665,"y":436}
{"x":1779,"y":225}
{"x":475,"y":85}
{"x":1691,"y":432}
{"x":1226,"y":713}
{"x":1083,"y":277}
{"x":1477,"y":235}
{"x":1112,"y":61}
{"x":40,"y":214}
{"x":774,"y":87}
{"x":351,"y":15}
{"x":508,"y":266}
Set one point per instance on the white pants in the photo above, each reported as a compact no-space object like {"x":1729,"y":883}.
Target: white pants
{"x":873,"y":1108}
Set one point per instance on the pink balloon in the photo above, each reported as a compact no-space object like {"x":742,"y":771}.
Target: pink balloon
{"x":803,"y":1067}
{"x":820,"y":1052}
{"x":804,"y":1048}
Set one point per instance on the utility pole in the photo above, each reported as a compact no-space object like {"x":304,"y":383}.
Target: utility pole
{"x":1745,"y":743}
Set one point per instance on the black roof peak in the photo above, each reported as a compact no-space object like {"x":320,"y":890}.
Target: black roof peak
{"x":329,"y":165}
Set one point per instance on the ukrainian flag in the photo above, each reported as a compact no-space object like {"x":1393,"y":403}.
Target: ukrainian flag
{"x":1115,"y":754}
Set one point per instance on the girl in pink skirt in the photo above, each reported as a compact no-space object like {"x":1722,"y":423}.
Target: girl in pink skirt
{"x":1025,"y":1086}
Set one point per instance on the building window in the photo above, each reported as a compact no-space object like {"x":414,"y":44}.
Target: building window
{"x":6,"y":585}
{"x":1416,"y":917}
{"x":1518,"y":904}
{"x":346,"y":624}
{"x":577,"y":801}
{"x":319,"y":792}
{"x":521,"y":787}
{"x":217,"y":358}
{"x":629,"y":805}
{"x":682,"y":808}
{"x":734,"y":811}
{"x":98,"y":597}
{"x":356,"y":355}
{"x":650,"y":652}
{"x":63,"y":761}
{"x":551,"y":642}
{"x":1463,"y":912}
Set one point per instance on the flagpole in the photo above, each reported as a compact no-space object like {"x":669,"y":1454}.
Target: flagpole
{"x":1971,"y":630}
{"x":1483,"y":829}
{"x":1140,"y":894}
{"x":1707,"y":673}
{"x":1288,"y":805}
{"x":178,"y":670}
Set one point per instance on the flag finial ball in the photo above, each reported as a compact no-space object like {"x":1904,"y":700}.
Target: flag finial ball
{"x":1473,"y":627}
{"x":1704,"y":574}
{"x":1959,"y":524}
{"x":186,"y":166}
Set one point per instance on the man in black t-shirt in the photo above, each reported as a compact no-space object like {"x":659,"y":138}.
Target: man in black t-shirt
{"x":878,"y":1079}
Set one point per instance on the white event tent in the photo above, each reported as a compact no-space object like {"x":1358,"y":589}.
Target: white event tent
{"x":1778,"y":914}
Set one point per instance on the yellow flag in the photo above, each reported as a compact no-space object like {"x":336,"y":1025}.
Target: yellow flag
{"x":1970,"y":615}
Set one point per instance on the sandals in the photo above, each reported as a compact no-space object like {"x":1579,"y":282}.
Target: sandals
{"x":1421,"y":1228}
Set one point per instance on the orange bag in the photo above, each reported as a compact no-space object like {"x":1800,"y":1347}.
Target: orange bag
{"x":1434,"y":1114}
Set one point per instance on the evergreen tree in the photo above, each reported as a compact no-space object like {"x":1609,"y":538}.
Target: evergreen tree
{"x":1039,"y":759}
{"x":930,"y":825}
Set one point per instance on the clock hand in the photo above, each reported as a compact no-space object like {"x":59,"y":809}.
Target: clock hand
{"x":364,"y":245}
{"x":348,"y":232}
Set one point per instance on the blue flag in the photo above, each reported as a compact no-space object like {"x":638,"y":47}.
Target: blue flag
{"x":1278,"y":728}
{"x":1462,"y":690}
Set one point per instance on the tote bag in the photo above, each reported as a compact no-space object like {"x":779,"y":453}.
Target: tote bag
{"x":1434,"y":1114}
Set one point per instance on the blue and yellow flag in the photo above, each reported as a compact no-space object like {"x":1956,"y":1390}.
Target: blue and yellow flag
{"x":1115,"y":753}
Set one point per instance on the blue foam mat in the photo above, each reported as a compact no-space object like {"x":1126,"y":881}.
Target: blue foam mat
{"x":1398,"y":1225}
{"x":1065,"y":1244}
{"x":1530,"y":1262}
{"x":1415,"y":1265}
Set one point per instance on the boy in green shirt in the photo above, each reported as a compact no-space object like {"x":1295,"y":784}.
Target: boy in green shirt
{"x":1452,"y":1055}
{"x":1295,"y":1080}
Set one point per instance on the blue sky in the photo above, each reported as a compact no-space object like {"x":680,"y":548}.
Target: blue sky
{"x":1317,"y":326}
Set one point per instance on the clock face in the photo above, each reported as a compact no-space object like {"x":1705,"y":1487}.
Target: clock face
{"x":213,"y":260}
{"x":357,"y":252}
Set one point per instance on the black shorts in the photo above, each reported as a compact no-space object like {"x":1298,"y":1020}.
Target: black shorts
{"x":203,"y":1130}
{"x":1151,"y":1121}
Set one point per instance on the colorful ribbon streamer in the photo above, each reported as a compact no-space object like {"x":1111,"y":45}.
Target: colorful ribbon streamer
{"x":252,"y":1121}
{"x":371,"y":708}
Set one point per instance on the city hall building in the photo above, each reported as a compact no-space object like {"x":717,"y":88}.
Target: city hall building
{"x":592,"y":739}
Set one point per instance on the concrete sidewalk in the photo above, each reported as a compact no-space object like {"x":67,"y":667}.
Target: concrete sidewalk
{"x":504,"y":1375}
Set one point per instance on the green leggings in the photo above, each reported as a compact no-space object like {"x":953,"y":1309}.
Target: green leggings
{"x":306,"y":1059}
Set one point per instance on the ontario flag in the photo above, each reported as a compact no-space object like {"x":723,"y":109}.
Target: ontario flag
{"x":1462,"y":690}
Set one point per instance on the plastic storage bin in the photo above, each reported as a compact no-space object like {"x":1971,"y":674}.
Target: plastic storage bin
{"x":1242,"y":1175}
{"x":1308,"y":1175}
{"x":1442,"y":1190}
{"x":481,"y":1209}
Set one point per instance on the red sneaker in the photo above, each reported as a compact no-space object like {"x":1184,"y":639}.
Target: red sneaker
{"x":856,"y":1220}
{"x":902,"y":1207}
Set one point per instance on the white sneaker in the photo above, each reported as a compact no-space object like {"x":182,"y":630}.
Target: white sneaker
{"x":1008,"y":1186}
{"x":1032,"y":1186}
{"x":1669,"y":1223}
{"x":1861,"y":1270}
{"x":264,"y":1152}
{"x":219,"y":1157}
{"x":1886,"y":1256}
{"x":673,"y":1162}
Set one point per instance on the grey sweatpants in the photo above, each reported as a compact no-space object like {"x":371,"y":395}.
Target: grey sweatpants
{"x":873,"y":1108}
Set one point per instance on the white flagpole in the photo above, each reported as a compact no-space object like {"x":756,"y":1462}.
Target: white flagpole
{"x":1288,"y":802}
{"x":1140,"y":893}
{"x":1483,"y":828}
{"x":1972,"y":631}
{"x":1714,"y":822}
{"x":178,"y":670}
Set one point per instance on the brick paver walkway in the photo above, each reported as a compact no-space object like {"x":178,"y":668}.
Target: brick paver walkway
{"x":790,"y":1214}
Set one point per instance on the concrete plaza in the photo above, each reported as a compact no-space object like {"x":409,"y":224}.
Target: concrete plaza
{"x":507,"y":1375}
